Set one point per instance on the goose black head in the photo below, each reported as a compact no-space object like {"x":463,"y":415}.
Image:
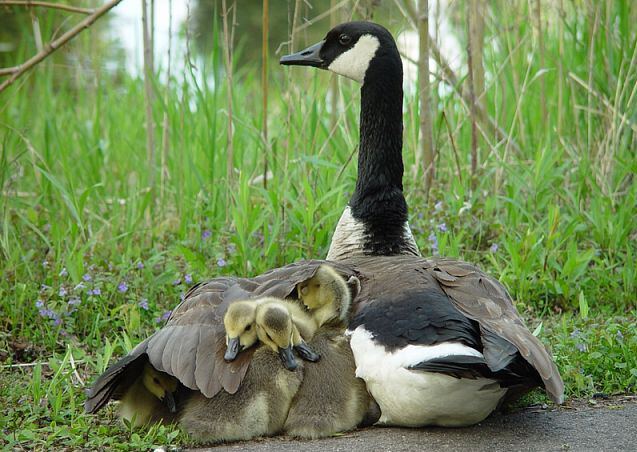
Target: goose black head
{"x":348,"y":49}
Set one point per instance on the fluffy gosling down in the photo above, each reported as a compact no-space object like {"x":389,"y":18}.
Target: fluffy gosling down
{"x":331,"y":399}
{"x":280,"y":324}
{"x":261,"y":405}
{"x":151,"y":398}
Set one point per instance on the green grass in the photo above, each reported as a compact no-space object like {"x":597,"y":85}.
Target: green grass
{"x":554,"y":222}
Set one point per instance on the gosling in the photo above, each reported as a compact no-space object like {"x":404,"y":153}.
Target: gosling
{"x":327,"y":296}
{"x":239,"y":324}
{"x":261,"y":405}
{"x":151,"y":398}
{"x":244,"y":319}
{"x":331,"y":399}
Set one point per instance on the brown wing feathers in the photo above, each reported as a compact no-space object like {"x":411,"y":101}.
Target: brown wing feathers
{"x":485,"y":300}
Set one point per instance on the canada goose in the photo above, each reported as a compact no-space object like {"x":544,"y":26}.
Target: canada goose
{"x":437,"y":341}
{"x":331,"y":399}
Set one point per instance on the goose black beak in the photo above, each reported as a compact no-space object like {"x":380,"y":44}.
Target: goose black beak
{"x":233,"y":349}
{"x":169,"y":400}
{"x":307,"y":57}
{"x":289,"y":361}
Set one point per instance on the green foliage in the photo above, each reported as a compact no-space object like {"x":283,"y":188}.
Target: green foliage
{"x":92,"y":257}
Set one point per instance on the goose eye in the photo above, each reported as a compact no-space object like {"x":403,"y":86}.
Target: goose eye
{"x":344,"y":39}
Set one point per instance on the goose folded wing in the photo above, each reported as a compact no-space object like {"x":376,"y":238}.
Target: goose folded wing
{"x":483,"y":299}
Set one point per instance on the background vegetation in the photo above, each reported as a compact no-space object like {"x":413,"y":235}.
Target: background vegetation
{"x":99,"y":237}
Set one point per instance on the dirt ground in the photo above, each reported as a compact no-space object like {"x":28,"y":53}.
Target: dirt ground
{"x":600,"y":424}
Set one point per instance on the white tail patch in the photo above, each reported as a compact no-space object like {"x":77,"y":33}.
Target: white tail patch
{"x":414,"y":398}
{"x":354,"y":63}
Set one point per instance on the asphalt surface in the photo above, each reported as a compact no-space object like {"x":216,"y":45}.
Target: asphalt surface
{"x":596,"y":425}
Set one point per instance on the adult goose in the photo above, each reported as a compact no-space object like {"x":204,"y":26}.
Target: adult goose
{"x":437,"y":341}
{"x":444,"y":345}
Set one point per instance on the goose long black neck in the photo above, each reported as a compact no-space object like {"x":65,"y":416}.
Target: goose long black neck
{"x":378,"y":200}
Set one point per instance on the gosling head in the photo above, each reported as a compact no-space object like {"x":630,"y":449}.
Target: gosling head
{"x":351,"y":49}
{"x":326,"y":291}
{"x":275,"y":330}
{"x":240,"y":328}
{"x":161,"y":385}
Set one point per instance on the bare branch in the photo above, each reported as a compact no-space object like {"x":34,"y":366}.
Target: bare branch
{"x":56,"y":44}
{"x":450,"y":77}
{"x":149,"y":97}
{"x":265,"y":28}
{"x":424,"y":93}
{"x":31,"y":4}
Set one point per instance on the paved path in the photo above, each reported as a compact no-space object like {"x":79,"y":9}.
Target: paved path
{"x":609,"y":425}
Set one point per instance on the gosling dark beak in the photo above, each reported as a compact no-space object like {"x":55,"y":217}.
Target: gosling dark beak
{"x":233,"y":349}
{"x":306,"y":352}
{"x":289,"y":361}
{"x":169,"y":400}
{"x":307,"y":57}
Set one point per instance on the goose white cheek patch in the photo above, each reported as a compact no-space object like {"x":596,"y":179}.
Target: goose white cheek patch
{"x":354,"y":63}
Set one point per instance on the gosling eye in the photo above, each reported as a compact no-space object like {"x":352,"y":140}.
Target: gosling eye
{"x":344,"y":39}
{"x":155,"y":380}
{"x":249,"y":327}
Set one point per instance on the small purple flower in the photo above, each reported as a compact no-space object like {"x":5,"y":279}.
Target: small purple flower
{"x":438,"y":206}
{"x":188,"y":278}
{"x":434,"y":242}
{"x":79,"y":286}
{"x":95,"y":291}
{"x":177,"y":282}
{"x":205,"y":235}
{"x":74,"y":301}
{"x":166,"y":315}
{"x":143,"y":304}
{"x":581,"y":347}
{"x":87,"y":277}
{"x":182,"y":296}
{"x":57,"y":321}
{"x":63,"y":272}
{"x":62,"y":292}
{"x":39,"y":304}
{"x":48,"y":313}
{"x":122,"y":287}
{"x":575,"y":333}
{"x":44,"y":287}
{"x":619,"y":335}
{"x":232,"y":249}
{"x":221,"y":262}
{"x":442,"y":227}
{"x":494,"y":248}
{"x":140,"y":265}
